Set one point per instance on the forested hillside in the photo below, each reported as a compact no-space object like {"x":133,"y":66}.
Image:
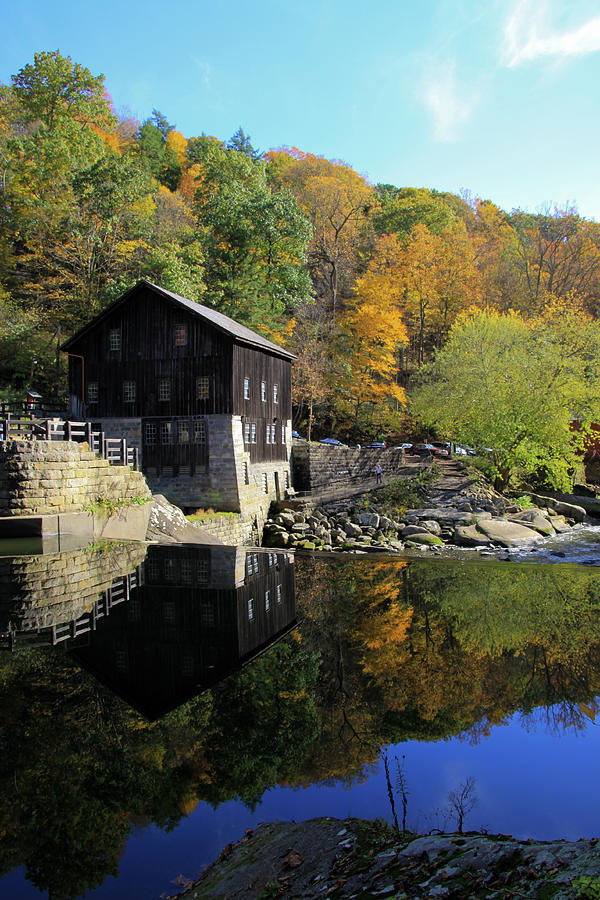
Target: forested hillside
{"x":363,"y":281}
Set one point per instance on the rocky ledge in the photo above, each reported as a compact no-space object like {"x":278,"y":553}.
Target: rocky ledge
{"x":468,"y":525}
{"x":354,"y":858}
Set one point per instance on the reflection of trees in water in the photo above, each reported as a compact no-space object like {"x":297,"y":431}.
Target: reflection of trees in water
{"x":424,"y":651}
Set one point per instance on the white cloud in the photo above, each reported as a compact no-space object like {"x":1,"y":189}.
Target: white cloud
{"x":449,"y":106}
{"x":528,"y":35}
{"x":205,"y":71}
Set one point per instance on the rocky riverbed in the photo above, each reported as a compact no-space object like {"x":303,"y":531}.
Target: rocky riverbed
{"x":359,"y":859}
{"x":457,"y":511}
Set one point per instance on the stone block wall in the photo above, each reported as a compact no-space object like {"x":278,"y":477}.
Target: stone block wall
{"x":232,"y":528}
{"x":44,"y":477}
{"x":44,"y":590}
{"x":320,"y":466}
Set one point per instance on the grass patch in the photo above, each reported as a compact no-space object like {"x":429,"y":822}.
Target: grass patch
{"x":405,"y":493}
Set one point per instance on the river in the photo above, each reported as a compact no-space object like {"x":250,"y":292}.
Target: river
{"x":210,"y":689}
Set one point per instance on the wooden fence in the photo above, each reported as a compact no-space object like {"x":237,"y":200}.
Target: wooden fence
{"x":115,"y":450}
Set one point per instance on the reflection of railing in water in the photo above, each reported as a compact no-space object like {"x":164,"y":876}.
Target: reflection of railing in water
{"x":115,"y":450}
{"x":118,"y":592}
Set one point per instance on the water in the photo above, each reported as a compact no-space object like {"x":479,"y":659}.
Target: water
{"x":210,"y":690}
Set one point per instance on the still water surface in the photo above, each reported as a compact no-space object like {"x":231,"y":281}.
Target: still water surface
{"x":212,"y":689}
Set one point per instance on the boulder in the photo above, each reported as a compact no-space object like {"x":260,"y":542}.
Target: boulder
{"x":413,"y":529}
{"x":351,"y":529}
{"x":279,"y":539}
{"x":371,"y":520}
{"x":286,"y":519}
{"x":469,"y":536}
{"x":571,"y":510}
{"x":535,"y":519}
{"x":507,"y":534}
{"x":425,"y":537}
{"x":300,"y":527}
{"x":431,"y":525}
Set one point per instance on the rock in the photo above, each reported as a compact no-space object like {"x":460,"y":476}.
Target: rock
{"x":279,"y":539}
{"x":369,"y":519}
{"x":168,"y":525}
{"x":314,"y":523}
{"x":425,"y":537}
{"x":385,"y":524}
{"x":307,"y":545}
{"x":352,"y":530}
{"x":507,"y":534}
{"x":286,"y":519}
{"x":300,"y":527}
{"x":431,"y":525}
{"x":535,"y":519}
{"x":397,"y":545}
{"x":469,"y":536}
{"x":410,"y":530}
{"x":563,"y":507}
{"x":560,"y":524}
{"x":299,"y":517}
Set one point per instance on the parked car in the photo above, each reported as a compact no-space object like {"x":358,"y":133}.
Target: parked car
{"x":404,"y":446}
{"x":376,"y":445}
{"x":440,"y":448}
{"x":460,"y":451}
{"x":332,"y":442}
{"x":470,"y":451}
{"x":422,"y":449}
{"x":298,"y":436}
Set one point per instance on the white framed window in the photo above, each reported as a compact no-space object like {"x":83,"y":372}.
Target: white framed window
{"x":202,"y":570}
{"x":114,"y":339}
{"x":183,"y":432}
{"x":169,"y":569}
{"x":92,"y":392}
{"x":279,"y":593}
{"x":246,"y":432}
{"x":246,"y":388}
{"x":267,"y":601}
{"x":129,"y":392}
{"x":263,"y":391}
{"x":253,"y":433}
{"x":268,"y":434}
{"x":150,"y":433}
{"x":271,"y":560}
{"x":202,"y":387}
{"x":180,"y":335}
{"x":283,"y":434}
{"x":166,"y":432}
{"x":265,"y":481}
{"x":200,"y":431}
{"x":275,"y":393}
{"x":250,"y":609}
{"x":164,"y":389}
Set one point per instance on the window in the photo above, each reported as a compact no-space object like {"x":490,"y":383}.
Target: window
{"x":92,"y":392}
{"x":271,"y":558}
{"x":279,"y":593}
{"x":200,"y":431}
{"x":183,"y":431}
{"x":202,"y":387}
{"x":267,"y":601}
{"x":246,"y":432}
{"x":170,"y":570}
{"x":268,"y":434}
{"x":187,"y":666}
{"x":249,"y":568}
{"x":186,"y":571}
{"x":150,"y":433}
{"x":207,"y":614}
{"x":202,"y":570}
{"x":253,"y":433}
{"x":129,"y":392}
{"x":263,"y":391}
{"x":250,"y":609}
{"x":246,"y":388}
{"x":166,"y":432}
{"x":164,"y":389}
{"x":152,"y":569}
{"x":265,"y":480}
{"x":275,"y":393}
{"x":168,"y":611}
{"x":114,"y":339}
{"x":283,"y":434}
{"x":287,"y":478}
{"x":255,"y":563}
{"x":180,"y":335}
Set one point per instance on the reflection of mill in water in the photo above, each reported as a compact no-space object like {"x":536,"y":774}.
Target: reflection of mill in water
{"x":187,"y":617}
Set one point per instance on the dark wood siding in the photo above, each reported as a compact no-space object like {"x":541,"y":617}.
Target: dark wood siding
{"x":259,"y":367}
{"x":147,"y":354}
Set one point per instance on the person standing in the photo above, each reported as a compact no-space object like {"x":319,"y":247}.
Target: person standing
{"x":378,"y":473}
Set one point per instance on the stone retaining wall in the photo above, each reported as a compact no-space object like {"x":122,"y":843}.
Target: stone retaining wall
{"x":232,"y":529}
{"x":42,"y":477}
{"x":320,"y":466}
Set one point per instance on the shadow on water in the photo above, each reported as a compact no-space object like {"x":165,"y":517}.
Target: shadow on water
{"x":144,"y":681}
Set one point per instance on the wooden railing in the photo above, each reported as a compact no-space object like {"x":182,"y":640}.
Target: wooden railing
{"x":118,"y":592}
{"x":115,"y":450}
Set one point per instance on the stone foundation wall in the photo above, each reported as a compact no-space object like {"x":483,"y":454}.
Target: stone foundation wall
{"x":128,"y":428}
{"x":43,"y":477}
{"x":40,"y":591}
{"x":319,"y":466}
{"x":232,"y":529}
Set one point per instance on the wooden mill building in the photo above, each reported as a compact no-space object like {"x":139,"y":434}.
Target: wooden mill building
{"x":206,"y":400}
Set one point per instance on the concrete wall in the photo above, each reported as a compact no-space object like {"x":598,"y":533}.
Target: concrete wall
{"x":41,"y":477}
{"x":320,"y":466}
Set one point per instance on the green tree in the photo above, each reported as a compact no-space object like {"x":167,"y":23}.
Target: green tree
{"x":516,"y":387}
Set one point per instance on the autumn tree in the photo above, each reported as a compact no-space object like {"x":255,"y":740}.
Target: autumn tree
{"x":338,"y":202}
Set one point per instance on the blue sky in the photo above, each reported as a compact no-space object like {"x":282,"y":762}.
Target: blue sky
{"x":500,"y":97}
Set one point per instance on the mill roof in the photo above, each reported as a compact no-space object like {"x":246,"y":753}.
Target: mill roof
{"x":213,"y":317}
